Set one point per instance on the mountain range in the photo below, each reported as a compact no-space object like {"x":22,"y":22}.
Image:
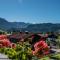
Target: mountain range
{"x":4,"y":24}
{"x":42,"y":27}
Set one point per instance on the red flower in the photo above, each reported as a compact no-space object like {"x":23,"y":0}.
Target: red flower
{"x":41,"y":44}
{"x":3,"y":37}
{"x":1,"y":45}
{"x":46,"y":52}
{"x":13,"y":45}
{"x":41,"y":47}
{"x":5,"y":42}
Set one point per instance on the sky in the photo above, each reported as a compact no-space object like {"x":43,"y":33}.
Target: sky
{"x":30,"y":11}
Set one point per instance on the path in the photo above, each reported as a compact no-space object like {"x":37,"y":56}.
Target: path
{"x":3,"y":57}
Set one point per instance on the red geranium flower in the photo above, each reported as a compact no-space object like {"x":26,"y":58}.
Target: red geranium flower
{"x":41,"y":48}
{"x":13,"y":45}
{"x":5,"y":42}
{"x":3,"y":37}
{"x":1,"y":45}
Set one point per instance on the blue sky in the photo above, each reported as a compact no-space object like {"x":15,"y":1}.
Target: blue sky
{"x":33,"y":11}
